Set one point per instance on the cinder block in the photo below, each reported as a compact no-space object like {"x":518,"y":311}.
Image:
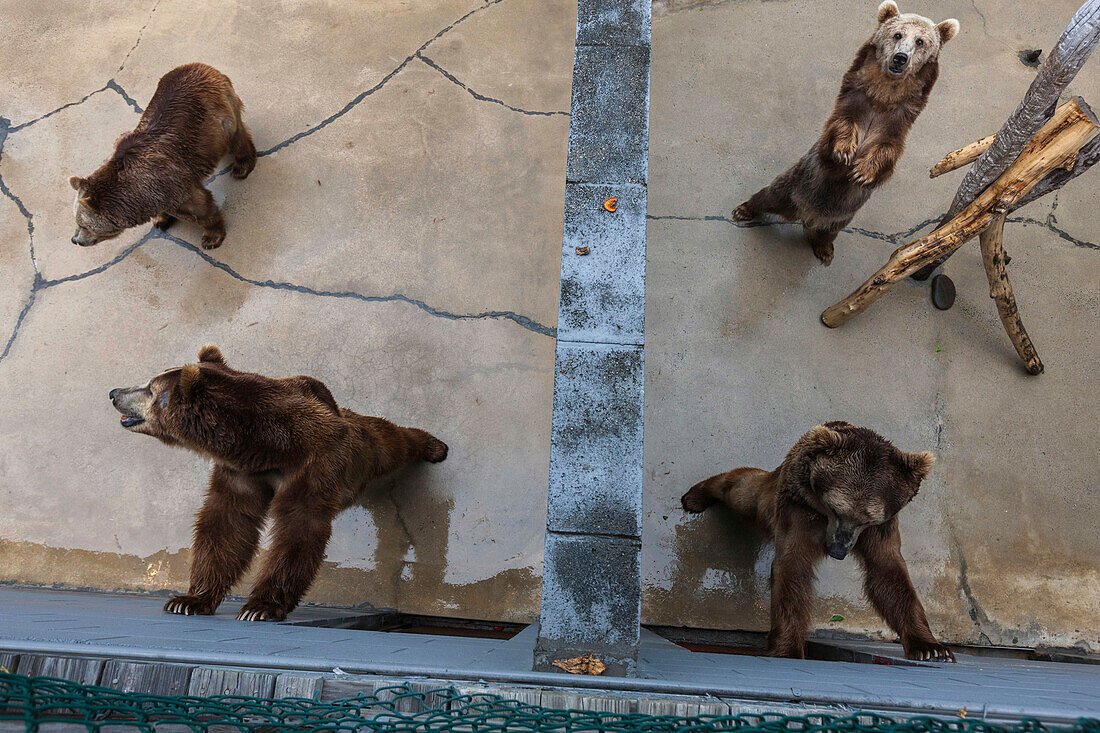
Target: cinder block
{"x":603,"y":292}
{"x":609,"y":118}
{"x":591,"y":602}
{"x":613,"y":22}
{"x":596,"y":440}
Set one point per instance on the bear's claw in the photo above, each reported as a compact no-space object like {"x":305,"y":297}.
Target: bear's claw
{"x":924,"y":651}
{"x":251,"y":612}
{"x":188,"y":605}
{"x":743,"y":213}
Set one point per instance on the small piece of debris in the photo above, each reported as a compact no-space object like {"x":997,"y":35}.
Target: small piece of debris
{"x":583,"y":250}
{"x":962,"y":712}
{"x":836,"y":617}
{"x":587,"y":664}
{"x":938,"y":349}
{"x":611,"y":204}
{"x":318,"y":181}
{"x":1030,"y":57}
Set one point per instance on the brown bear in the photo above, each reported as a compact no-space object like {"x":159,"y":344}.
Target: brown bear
{"x":838,"y":490}
{"x":157,"y":171}
{"x":880,"y":97}
{"x":281,"y":447}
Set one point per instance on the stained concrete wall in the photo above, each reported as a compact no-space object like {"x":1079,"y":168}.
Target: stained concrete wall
{"x":399,"y":240}
{"x":1001,"y":541}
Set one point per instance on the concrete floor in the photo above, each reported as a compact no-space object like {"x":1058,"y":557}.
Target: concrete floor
{"x":399,"y":240}
{"x":1001,"y":540}
{"x":50,"y":624}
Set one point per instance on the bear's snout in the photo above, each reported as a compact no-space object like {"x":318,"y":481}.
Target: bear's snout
{"x":898,"y":62}
{"x":113,"y":393}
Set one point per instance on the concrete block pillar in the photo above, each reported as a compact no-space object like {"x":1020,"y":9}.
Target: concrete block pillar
{"x":591,"y":582}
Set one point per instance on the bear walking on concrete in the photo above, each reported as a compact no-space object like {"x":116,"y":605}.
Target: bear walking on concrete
{"x":839,"y":489}
{"x":281,"y":447}
{"x":880,"y":97}
{"x":157,"y":171}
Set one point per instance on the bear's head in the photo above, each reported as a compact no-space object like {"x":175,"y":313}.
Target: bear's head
{"x":189,"y":406}
{"x":857,"y":479}
{"x":904,"y":44}
{"x":92,"y":225}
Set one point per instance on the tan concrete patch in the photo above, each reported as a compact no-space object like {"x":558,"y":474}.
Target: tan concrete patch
{"x":484,"y":386}
{"x":37,"y":164}
{"x":500,"y":51}
{"x":421,"y":190}
{"x":15,"y":264}
{"x":293,"y":64}
{"x":57,"y":55}
{"x":738,"y":363}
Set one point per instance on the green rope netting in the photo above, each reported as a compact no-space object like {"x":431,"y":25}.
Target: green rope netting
{"x":45,"y":703}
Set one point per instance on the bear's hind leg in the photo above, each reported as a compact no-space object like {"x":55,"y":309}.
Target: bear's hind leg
{"x":243,"y":150}
{"x":767,"y":200}
{"x":227,"y":530}
{"x":821,"y":242}
{"x":425,"y":446}
{"x":202,"y":210}
{"x":163,"y":221}
{"x":302,"y":514}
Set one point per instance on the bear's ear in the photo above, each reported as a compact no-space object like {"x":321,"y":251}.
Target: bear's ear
{"x":948,"y":29}
{"x":190,"y":381}
{"x":77,"y":183}
{"x":919,"y":465}
{"x":887,"y":10}
{"x":211,"y":353}
{"x":821,"y":440}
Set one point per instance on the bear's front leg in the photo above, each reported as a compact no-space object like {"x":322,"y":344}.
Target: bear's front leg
{"x":302,"y":514}
{"x":841,"y":139}
{"x":798,"y":549}
{"x":227,"y":530}
{"x":875,"y":165}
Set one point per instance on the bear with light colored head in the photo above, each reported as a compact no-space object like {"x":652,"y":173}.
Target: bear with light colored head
{"x":882,"y":93}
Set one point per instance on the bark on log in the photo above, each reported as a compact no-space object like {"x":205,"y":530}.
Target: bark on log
{"x":1066,"y":59}
{"x":1000,"y":289}
{"x":1087,"y":156}
{"x":1073,"y":125}
{"x":963,"y":156}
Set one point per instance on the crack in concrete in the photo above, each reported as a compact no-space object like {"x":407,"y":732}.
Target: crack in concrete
{"x":138,"y":41}
{"x":520,"y":320}
{"x":902,"y":237}
{"x":481,"y":97}
{"x":40,"y":283}
{"x":977,"y":613}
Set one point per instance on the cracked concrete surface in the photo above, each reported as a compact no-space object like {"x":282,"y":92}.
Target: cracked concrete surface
{"x":1001,"y":539}
{"x":399,"y":239}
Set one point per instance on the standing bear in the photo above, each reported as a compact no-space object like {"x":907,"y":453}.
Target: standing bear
{"x":880,"y":97}
{"x":281,"y":447}
{"x":157,"y":171}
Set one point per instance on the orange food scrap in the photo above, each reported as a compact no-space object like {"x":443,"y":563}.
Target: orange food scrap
{"x":611,"y":204}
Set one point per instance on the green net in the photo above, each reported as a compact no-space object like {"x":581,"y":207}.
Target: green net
{"x":45,"y":703}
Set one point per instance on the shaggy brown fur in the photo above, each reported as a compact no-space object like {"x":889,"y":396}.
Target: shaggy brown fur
{"x":157,"y":171}
{"x":839,"y":489}
{"x":281,"y":447}
{"x":880,"y":97}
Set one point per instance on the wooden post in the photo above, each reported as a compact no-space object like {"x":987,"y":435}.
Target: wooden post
{"x":1000,"y":289}
{"x":1069,"y":55}
{"x":1061,"y":138}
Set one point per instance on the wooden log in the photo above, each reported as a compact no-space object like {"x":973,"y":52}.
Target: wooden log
{"x":1087,"y":156}
{"x":1065,"y":133}
{"x":963,"y":156}
{"x":1000,"y":289}
{"x":1068,"y":56}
